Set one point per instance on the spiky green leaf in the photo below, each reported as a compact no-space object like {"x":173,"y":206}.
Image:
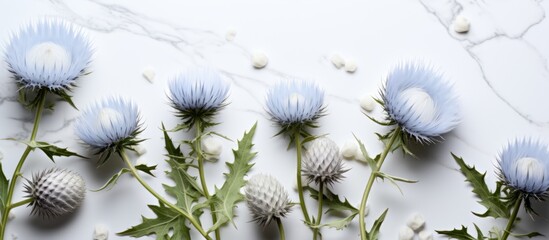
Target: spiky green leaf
{"x":168,"y":225}
{"x":226,"y":197}
{"x":52,"y":150}
{"x":371,"y":161}
{"x":334,"y":203}
{"x":461,"y":234}
{"x":146,"y":169}
{"x":373,"y":234}
{"x":495,"y":206}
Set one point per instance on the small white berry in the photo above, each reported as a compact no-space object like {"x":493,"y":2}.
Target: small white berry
{"x":100,"y":232}
{"x":425,"y":235}
{"x":259,"y":59}
{"x":350,"y":65}
{"x":337,"y":61}
{"x":405,"y":233}
{"x":367,"y":103}
{"x":348,"y":150}
{"x":461,"y":24}
{"x":211,"y":147}
{"x":416,"y":222}
{"x":149,"y":73}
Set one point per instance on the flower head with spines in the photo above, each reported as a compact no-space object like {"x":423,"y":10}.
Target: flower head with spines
{"x":48,"y":55}
{"x":266,"y":198}
{"x":295,"y":105}
{"x":55,"y":192}
{"x":109,"y":125}
{"x":420,"y":101}
{"x":322,"y":162}
{"x":198,"y":94}
{"x":523,"y":166}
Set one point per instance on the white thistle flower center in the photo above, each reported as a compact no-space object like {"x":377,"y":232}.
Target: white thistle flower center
{"x":420,"y":103}
{"x":530,"y":167}
{"x":296,"y":99}
{"x":48,"y":56}
{"x":109,"y":118}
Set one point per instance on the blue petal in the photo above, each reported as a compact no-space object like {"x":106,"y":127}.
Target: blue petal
{"x":67,"y":36}
{"x":107,"y":122}
{"x":295,"y":101}
{"x":521,"y":180}
{"x":198,"y":89}
{"x":416,"y":75}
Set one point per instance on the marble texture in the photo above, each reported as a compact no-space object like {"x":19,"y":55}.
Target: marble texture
{"x":499,"y":69}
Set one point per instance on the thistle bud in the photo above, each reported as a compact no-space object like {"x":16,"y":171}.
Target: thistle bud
{"x":55,"y":192}
{"x":266,"y":198}
{"x":322,"y":162}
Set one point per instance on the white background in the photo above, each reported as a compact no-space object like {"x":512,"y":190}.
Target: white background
{"x":499,"y":70}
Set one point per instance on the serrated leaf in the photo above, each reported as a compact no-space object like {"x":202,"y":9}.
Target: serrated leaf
{"x":168,"y":224}
{"x":146,"y":169}
{"x":52,"y":150}
{"x":113,"y":179}
{"x":65,"y":97}
{"x":373,"y":234}
{"x":480,"y":236}
{"x":186,"y":189}
{"x":174,"y":153}
{"x":491,"y":200}
{"x":461,"y":234}
{"x":3,"y":191}
{"x":332,"y":200}
{"x":528,"y":235}
{"x":226,"y":197}
{"x":371,"y":162}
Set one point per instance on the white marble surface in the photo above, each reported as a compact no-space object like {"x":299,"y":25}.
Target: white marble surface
{"x":499,"y":68}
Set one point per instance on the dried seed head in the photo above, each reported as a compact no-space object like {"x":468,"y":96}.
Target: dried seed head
{"x":322,"y":162}
{"x":55,"y":192}
{"x":266,"y":198}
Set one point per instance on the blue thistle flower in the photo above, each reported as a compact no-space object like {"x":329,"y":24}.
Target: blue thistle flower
{"x":295,"y":104}
{"x":109,"y":125}
{"x":198,"y":94}
{"x":50,"y":54}
{"x":524,"y":166}
{"x":420,"y":101}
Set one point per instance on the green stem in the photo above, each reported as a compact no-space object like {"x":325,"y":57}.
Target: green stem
{"x":316,"y":232}
{"x":280,"y":229}
{"x":299,"y":184}
{"x":193,"y":221}
{"x":512,"y":219}
{"x":200,"y":157}
{"x":17,"y":171}
{"x":20,"y":203}
{"x":373,"y":175}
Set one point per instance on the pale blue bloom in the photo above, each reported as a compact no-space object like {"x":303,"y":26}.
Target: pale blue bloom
{"x":111,"y":122}
{"x":295,"y":102}
{"x":524,"y":166}
{"x":198,"y":94}
{"x":421,"y":101}
{"x":49,"y":54}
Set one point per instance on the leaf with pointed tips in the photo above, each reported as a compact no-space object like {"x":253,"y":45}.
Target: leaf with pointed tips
{"x":146,"y":169}
{"x":458,"y":233}
{"x":226,"y":197}
{"x":394,"y":180}
{"x":334,"y":203}
{"x":51,"y":150}
{"x":168,"y":225}
{"x":113,"y":179}
{"x":371,"y":161}
{"x":373,"y":234}
{"x":491,"y":200}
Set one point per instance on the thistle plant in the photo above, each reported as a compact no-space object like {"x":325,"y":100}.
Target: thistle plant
{"x":45,"y":58}
{"x":296,"y":106}
{"x":420,"y":106}
{"x":267,"y":200}
{"x":197,"y":95}
{"x":322,"y":165}
{"x":523,"y":171}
